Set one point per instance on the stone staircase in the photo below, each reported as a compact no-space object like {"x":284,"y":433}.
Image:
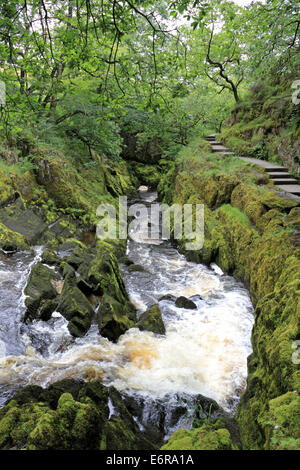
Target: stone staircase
{"x":278,"y":174}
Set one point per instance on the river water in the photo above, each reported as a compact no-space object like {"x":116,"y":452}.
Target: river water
{"x":203,"y":352}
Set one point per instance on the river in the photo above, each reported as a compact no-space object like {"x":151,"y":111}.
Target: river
{"x":203,"y":352}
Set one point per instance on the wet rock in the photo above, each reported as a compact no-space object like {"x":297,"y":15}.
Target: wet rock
{"x":136,"y":268}
{"x":168,"y":297}
{"x":151,"y":320}
{"x":183,"y":302}
{"x":11,"y":241}
{"x":40,"y":292}
{"x":50,"y":258}
{"x":69,"y":415}
{"x":23,"y":221}
{"x":105,"y":276}
{"x":125,"y":260}
{"x":75,"y":307}
{"x":112,"y":319}
{"x":121,"y":431}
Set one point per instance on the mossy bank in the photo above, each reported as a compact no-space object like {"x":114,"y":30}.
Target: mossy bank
{"x":253,"y":234}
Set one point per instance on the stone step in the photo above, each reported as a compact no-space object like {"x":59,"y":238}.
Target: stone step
{"x":280,"y":174}
{"x":284,"y":181}
{"x":271,"y":169}
{"x":294,"y":189}
{"x":220,"y":148}
{"x":214,"y":142}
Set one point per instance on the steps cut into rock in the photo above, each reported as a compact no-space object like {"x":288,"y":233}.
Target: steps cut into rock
{"x":278,"y":174}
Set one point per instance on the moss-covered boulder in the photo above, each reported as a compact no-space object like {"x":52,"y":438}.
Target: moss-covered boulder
{"x":12,"y":241}
{"x":207,"y":437}
{"x":7,"y":193}
{"x":151,"y":320}
{"x":105,"y":275}
{"x":75,"y":307}
{"x":23,"y":221}
{"x":146,"y":174}
{"x":49,"y":257}
{"x":41,"y":293}
{"x":69,"y":415}
{"x":113,"y":318}
{"x":72,"y":425}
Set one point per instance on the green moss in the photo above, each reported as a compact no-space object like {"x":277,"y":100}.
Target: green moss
{"x":75,"y":307}
{"x":281,"y":423}
{"x":146,"y":174}
{"x":113,"y":318}
{"x":151,"y":320}
{"x":11,"y":241}
{"x":204,"y":438}
{"x":238,"y":214}
{"x":105,"y":274}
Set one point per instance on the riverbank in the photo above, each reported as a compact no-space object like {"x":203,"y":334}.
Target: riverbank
{"x":253,"y":234}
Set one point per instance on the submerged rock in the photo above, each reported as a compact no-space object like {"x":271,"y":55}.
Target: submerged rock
{"x":151,"y":320}
{"x":136,"y":268}
{"x":183,"y":302}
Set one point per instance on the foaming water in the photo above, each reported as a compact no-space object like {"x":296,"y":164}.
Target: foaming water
{"x":203,"y":352}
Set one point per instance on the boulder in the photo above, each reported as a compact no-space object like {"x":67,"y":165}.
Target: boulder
{"x":23,"y":221}
{"x":104,"y":274}
{"x":112,"y":318}
{"x":169,"y":297}
{"x":69,"y":415}
{"x":183,"y":302}
{"x":11,"y":241}
{"x":75,"y":307}
{"x":151,"y":320}
{"x":50,"y":258}
{"x":41,"y":293}
{"x":136,"y":268}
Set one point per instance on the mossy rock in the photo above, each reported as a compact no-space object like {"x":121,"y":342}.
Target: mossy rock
{"x":281,"y":423}
{"x":12,"y":241}
{"x":204,"y":438}
{"x":7,"y":192}
{"x":41,"y":293}
{"x":112,"y":318}
{"x":273,"y":201}
{"x":104,"y":273}
{"x":69,"y":415}
{"x":23,"y":221}
{"x":75,"y":307}
{"x":136,"y":268}
{"x":151,"y":320}
{"x":50,"y":258}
